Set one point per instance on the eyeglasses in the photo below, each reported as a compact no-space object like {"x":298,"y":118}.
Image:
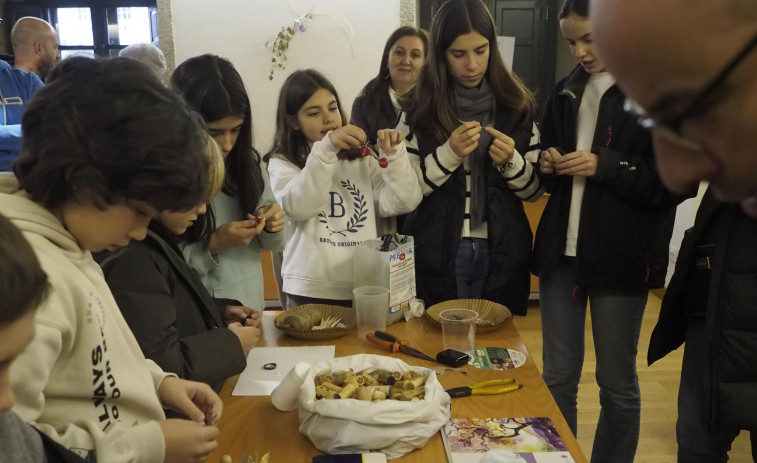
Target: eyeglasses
{"x":670,"y":127}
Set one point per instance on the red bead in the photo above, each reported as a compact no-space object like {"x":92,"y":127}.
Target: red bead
{"x":365,"y":151}
{"x":383,"y":162}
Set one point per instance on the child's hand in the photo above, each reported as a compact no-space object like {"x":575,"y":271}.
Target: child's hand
{"x":188,"y":441}
{"x":547,"y":160}
{"x":502,"y":148}
{"x":388,"y":139}
{"x":245,"y":316}
{"x":274,"y":216}
{"x":194,"y":399}
{"x":248,"y":335}
{"x":348,"y":136}
{"x":578,"y":163}
{"x":235,"y":234}
{"x":465,"y":138}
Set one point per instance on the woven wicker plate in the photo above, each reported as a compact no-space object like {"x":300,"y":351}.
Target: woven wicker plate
{"x":325,"y":311}
{"x":491,"y":316}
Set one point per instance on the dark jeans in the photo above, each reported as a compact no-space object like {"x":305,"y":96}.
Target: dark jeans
{"x":616,"y":323}
{"x":697,"y":443}
{"x":471,"y":267}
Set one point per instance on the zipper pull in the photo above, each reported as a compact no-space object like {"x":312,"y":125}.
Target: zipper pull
{"x":609,"y":135}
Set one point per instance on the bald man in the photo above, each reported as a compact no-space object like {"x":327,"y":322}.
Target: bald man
{"x":35,"y":46}
{"x":16,"y":88}
{"x":689,"y":70}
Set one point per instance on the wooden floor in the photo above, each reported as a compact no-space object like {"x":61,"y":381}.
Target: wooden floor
{"x":659,"y":392}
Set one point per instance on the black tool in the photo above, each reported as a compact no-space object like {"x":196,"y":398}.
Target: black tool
{"x":386,"y":242}
{"x":453,"y":358}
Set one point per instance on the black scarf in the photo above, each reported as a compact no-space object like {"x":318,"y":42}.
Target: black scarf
{"x":477,"y":104}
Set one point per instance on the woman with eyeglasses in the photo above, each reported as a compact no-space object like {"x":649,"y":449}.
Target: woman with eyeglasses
{"x":603,"y":239}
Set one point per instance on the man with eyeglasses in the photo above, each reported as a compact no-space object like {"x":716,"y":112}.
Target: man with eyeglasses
{"x":689,"y":70}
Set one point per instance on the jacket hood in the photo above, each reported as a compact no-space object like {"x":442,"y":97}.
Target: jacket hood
{"x":30,"y":217}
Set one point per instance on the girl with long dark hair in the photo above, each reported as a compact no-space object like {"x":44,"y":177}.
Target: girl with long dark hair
{"x":470,"y":123}
{"x":251,"y":221}
{"x":333,"y":199}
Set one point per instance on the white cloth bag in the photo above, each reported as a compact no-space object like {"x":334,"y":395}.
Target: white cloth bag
{"x":391,"y":427}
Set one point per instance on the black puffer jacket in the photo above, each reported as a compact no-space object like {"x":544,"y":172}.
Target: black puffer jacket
{"x":731,"y":314}
{"x":177,"y":323}
{"x":626,"y":215}
{"x":437,"y":222}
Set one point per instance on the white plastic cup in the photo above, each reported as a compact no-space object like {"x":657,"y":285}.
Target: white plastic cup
{"x":459,"y":329}
{"x":371,"y":307}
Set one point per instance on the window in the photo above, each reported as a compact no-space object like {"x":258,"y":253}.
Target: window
{"x":74,"y":27}
{"x":99,"y":27}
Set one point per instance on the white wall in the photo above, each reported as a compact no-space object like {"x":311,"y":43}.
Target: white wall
{"x":238,"y":30}
{"x":685,"y":215}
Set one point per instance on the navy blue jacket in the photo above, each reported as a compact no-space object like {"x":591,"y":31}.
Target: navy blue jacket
{"x":626,"y":215}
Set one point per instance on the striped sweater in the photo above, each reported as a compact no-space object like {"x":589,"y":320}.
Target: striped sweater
{"x":520,"y":172}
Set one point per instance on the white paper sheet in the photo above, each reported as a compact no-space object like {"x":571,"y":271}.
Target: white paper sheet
{"x":256,"y":380}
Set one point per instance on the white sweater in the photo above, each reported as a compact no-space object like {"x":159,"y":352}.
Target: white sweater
{"x":332,"y":206}
{"x":83,"y":379}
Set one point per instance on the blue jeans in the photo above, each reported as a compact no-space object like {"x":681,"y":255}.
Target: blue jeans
{"x":616,"y":323}
{"x":697,"y":443}
{"x":471,"y":267}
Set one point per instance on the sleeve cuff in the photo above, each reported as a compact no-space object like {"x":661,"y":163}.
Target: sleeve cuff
{"x":325,"y":150}
{"x":148,"y":441}
{"x":608,"y":164}
{"x":158,"y":375}
{"x":447,"y":157}
{"x":512,"y":167}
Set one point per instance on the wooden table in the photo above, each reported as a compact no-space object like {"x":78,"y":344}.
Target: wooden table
{"x":252,"y":424}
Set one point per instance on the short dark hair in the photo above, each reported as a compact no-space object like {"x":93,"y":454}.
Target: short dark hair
{"x":295,"y":92}
{"x":578,"y":7}
{"x":110,"y":131}
{"x":23,"y":284}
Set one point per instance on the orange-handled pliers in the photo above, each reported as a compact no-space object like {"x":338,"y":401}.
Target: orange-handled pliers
{"x":388,"y":341}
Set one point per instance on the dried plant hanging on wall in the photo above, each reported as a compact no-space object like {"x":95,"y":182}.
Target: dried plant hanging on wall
{"x":281,"y":43}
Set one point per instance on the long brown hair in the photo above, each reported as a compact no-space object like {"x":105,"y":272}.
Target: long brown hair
{"x":214,"y":88}
{"x":295,"y":92}
{"x":433,"y":99}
